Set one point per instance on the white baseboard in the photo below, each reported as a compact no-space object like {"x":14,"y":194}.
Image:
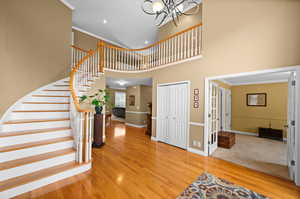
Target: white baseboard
{"x":153,"y":138}
{"x":196,"y":151}
{"x":135,"y":125}
{"x":242,"y":132}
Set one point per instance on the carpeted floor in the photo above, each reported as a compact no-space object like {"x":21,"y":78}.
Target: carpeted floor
{"x":266,"y":155}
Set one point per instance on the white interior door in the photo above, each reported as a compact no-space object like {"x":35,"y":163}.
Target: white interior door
{"x":227,"y":109}
{"x":172,"y":114}
{"x":213,"y":117}
{"x":291,"y":136}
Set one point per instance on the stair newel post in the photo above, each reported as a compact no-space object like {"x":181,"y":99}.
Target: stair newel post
{"x":101,"y":46}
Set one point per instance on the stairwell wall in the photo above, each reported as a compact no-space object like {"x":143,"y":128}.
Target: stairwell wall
{"x":35,"y":38}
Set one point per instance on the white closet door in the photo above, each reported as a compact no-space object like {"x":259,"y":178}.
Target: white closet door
{"x":228,"y":110}
{"x":213,"y":117}
{"x":172,"y":114}
{"x":163,"y":114}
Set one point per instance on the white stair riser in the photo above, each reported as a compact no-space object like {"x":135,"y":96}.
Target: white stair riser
{"x":42,"y":107}
{"x":34,"y":125}
{"x":22,"y":139}
{"x":42,"y":182}
{"x":36,"y":166}
{"x":48,"y":99}
{"x":13,"y":155}
{"x":39,"y":115}
{"x":60,"y":93}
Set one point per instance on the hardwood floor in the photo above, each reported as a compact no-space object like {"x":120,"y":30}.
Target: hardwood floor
{"x":130,"y":165}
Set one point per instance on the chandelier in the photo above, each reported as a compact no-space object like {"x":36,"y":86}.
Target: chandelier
{"x":169,"y":9}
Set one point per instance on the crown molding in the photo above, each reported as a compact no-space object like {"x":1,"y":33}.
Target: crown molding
{"x":66,"y":3}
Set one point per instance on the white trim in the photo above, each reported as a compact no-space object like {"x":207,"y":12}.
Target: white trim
{"x":153,"y":118}
{"x":188,"y":82}
{"x":207,"y":79}
{"x":196,"y":124}
{"x":275,"y":70}
{"x":96,"y":36}
{"x":225,"y":82}
{"x":135,"y":125}
{"x":196,"y":151}
{"x":22,"y":99}
{"x":66,"y":3}
{"x":297,"y":129}
{"x":136,"y":112}
{"x":242,"y":132}
{"x":260,"y":82}
{"x":153,"y":138}
{"x":156,"y":68}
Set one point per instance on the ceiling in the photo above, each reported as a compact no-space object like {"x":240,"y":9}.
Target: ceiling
{"x":258,"y":78}
{"x":126,"y":23}
{"x":123,"y":83}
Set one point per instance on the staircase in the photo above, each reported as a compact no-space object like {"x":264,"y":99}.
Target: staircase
{"x":36,"y":141}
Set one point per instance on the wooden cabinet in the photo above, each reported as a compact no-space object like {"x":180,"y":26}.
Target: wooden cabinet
{"x":149,"y":124}
{"x":275,"y":134}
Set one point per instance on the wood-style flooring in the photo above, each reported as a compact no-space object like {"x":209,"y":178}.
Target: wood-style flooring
{"x":130,"y":165}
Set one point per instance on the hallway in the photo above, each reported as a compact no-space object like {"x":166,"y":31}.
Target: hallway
{"x":130,"y":165}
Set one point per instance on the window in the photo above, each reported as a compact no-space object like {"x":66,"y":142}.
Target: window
{"x":120,"y":99}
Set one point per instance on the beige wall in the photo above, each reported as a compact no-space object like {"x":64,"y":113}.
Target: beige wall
{"x":249,"y":118}
{"x":143,"y":95}
{"x":35,"y":38}
{"x":238,"y":36}
{"x":185,"y":22}
{"x":84,"y":41}
{"x":111,"y":93}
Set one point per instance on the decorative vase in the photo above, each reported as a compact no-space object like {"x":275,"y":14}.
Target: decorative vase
{"x":98,"y":109}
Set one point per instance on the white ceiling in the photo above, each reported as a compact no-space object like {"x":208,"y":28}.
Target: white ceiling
{"x":126,"y":25}
{"x":123,"y":83}
{"x":258,"y":79}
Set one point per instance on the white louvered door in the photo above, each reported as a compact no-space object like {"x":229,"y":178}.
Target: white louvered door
{"x":172,"y":124}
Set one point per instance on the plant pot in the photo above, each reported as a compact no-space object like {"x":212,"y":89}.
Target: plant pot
{"x":98,"y":109}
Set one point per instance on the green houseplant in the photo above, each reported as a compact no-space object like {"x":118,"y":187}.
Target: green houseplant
{"x":99,"y":99}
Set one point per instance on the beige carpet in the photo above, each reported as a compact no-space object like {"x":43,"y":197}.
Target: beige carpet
{"x":266,"y":155}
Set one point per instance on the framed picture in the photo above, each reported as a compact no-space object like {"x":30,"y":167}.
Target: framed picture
{"x":257,"y":99}
{"x":131,"y":100}
{"x":196,"y":97}
{"x":196,"y":91}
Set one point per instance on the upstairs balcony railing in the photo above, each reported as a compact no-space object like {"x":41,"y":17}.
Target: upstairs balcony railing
{"x":88,"y":65}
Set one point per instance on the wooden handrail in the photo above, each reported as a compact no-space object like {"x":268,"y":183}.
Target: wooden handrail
{"x":154,"y":44}
{"x":72,"y":74}
{"x":73,"y":46}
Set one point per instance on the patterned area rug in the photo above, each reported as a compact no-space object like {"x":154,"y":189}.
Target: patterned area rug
{"x":208,"y":186}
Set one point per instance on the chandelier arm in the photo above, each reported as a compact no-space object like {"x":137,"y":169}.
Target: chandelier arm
{"x":163,"y":19}
{"x":147,"y":12}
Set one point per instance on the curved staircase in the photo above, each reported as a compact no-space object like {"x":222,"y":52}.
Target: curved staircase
{"x":36,"y":141}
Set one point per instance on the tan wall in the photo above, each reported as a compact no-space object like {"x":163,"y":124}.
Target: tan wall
{"x":249,"y":118}
{"x":143,"y":95}
{"x":185,"y":22}
{"x":84,"y":41}
{"x":35,"y":38}
{"x":238,"y":36}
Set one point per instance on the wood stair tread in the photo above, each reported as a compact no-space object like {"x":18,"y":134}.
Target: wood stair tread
{"x":31,"y":177}
{"x":56,"y":90}
{"x":35,"y":120}
{"x":18,"y":133}
{"x":50,"y":96}
{"x":34,"y":144}
{"x":46,"y":102}
{"x":33,"y":111}
{"x":36,"y":158}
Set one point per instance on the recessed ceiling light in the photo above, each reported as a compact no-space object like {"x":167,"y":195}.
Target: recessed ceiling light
{"x":104,"y":21}
{"x":146,"y":42}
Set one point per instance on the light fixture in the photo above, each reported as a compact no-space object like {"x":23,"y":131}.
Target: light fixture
{"x":166,"y":9}
{"x":122,"y":83}
{"x":146,"y":42}
{"x":104,"y":21}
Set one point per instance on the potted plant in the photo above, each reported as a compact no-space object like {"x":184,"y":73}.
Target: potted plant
{"x":99,"y":99}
